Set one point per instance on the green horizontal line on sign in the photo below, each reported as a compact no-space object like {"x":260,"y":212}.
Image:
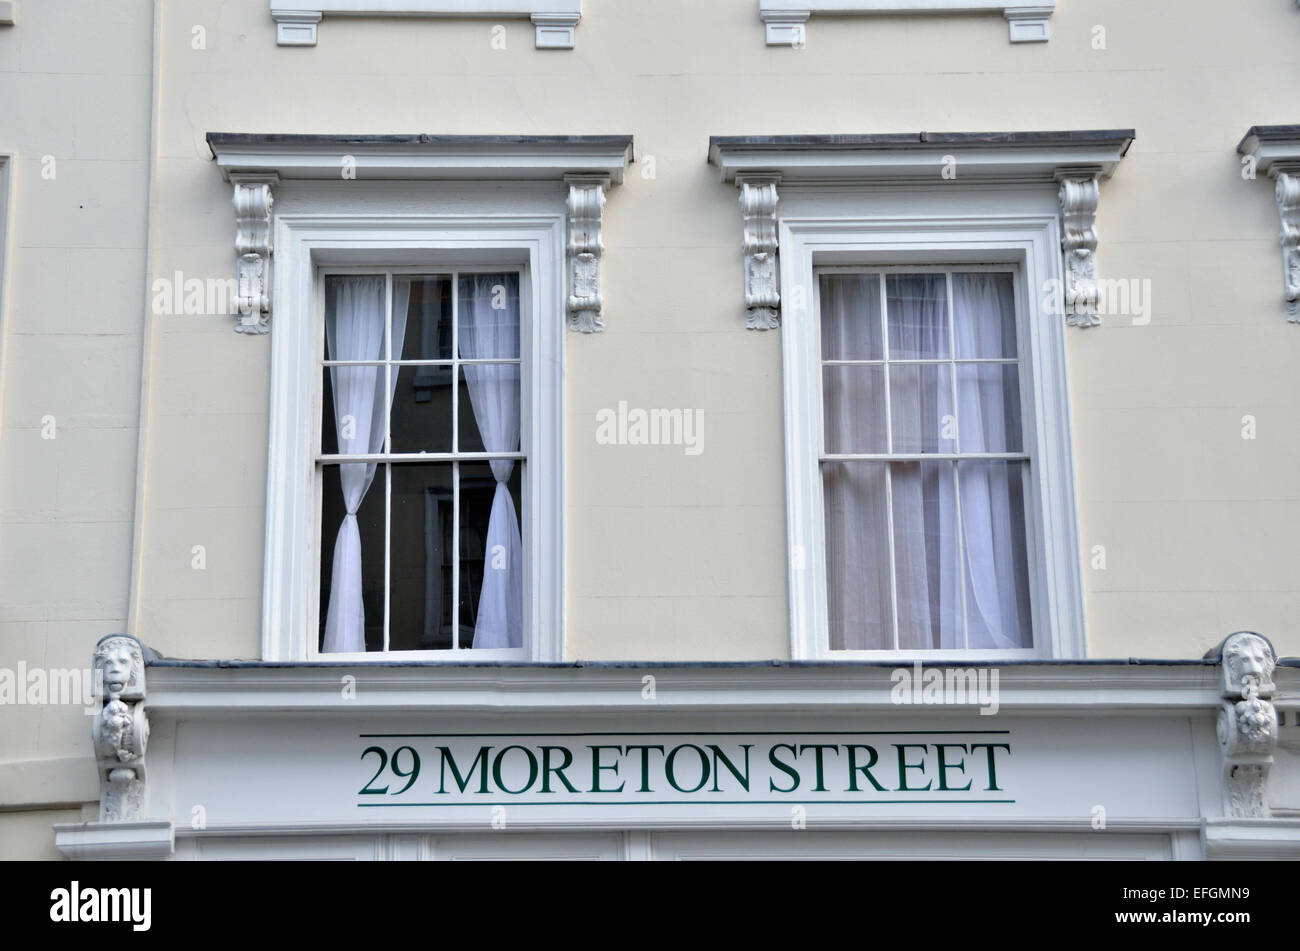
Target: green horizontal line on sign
{"x":373,"y":736}
{"x":715,"y":802}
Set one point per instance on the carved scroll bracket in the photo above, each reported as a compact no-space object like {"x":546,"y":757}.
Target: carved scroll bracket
{"x":120,"y":730}
{"x":1288,"y":209}
{"x":585,"y":209}
{"x":758,"y":200}
{"x":1247,"y":724}
{"x":1079,"y":195}
{"x":253,"y":201}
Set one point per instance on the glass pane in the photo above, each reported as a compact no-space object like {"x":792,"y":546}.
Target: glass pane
{"x":491,"y":565}
{"x":925,"y":556}
{"x":355,"y":305}
{"x":420,"y":597}
{"x":422,"y":409}
{"x":988,"y":407}
{"x":997,"y":560}
{"x":850,"y":305}
{"x":985,"y":307}
{"x":360,"y":429}
{"x":489,"y":407}
{"x":370,"y":524}
{"x":921,"y":408}
{"x":425,"y":333}
{"x":918,"y":316}
{"x":857,"y":556}
{"x":489,"y":316}
{"x":853,"y":408}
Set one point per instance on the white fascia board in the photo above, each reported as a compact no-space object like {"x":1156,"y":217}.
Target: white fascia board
{"x":422,"y":157}
{"x":188,"y":689}
{"x":920,"y":158}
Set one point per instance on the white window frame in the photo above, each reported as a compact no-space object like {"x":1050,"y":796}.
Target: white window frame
{"x":304,"y":244}
{"x":783,"y":20}
{"x":1030,"y":243}
{"x":555,"y":21}
{"x":6,"y":228}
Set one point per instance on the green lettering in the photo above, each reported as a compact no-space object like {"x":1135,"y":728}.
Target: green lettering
{"x":944,"y":767}
{"x":532,"y":770}
{"x":993,"y":772}
{"x":462,"y":782}
{"x":547,"y":768}
{"x":645,"y":764}
{"x":786,"y":768}
{"x":597,"y":766}
{"x":904,"y":766}
{"x":719,"y":755}
{"x":817,"y":758}
{"x":864,"y":770}
{"x":671,"y":773}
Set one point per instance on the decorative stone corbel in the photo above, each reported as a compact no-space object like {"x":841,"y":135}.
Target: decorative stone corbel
{"x":1247,"y":723}
{"x":253,"y":246}
{"x":1274,"y":150}
{"x":120,"y":730}
{"x":585,"y":207}
{"x":1288,"y":209}
{"x":1079,"y":195}
{"x":758,"y":200}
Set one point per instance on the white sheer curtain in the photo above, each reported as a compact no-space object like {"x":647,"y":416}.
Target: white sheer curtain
{"x":354,"y":330}
{"x":992,"y":507}
{"x":927,"y":560}
{"x":488,"y":328}
{"x":925,"y":513}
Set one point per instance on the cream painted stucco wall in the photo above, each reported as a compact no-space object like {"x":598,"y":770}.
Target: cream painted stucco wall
{"x":676,"y":557}
{"x":669,"y":556}
{"x":75,"y":81}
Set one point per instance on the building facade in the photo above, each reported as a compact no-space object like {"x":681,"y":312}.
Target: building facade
{"x":568,"y":428}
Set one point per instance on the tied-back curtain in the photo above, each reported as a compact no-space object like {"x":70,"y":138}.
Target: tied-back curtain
{"x":997,"y":598}
{"x":925,"y":516}
{"x":488,"y":328}
{"x":354,"y":330}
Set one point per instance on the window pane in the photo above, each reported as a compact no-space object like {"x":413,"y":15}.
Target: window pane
{"x":985,"y":308}
{"x":850,"y":305}
{"x":925,"y":556}
{"x":355,"y":305}
{"x":918,"y":316}
{"x":370,"y":525}
{"x":988,"y":407}
{"x":422,"y":553}
{"x":921,"y":408}
{"x":489,"y":316}
{"x":997,"y":561}
{"x":857,"y":556}
{"x":853,"y":407}
{"x":425,"y":334}
{"x":491,"y":566}
{"x":489,"y":407}
{"x":422,"y":409}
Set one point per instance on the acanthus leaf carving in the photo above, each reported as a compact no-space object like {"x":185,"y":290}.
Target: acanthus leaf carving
{"x":1079,"y":196}
{"x":1288,"y":209}
{"x":253,"y":200}
{"x":758,"y":198}
{"x":585,"y":208}
{"x":120,"y":730}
